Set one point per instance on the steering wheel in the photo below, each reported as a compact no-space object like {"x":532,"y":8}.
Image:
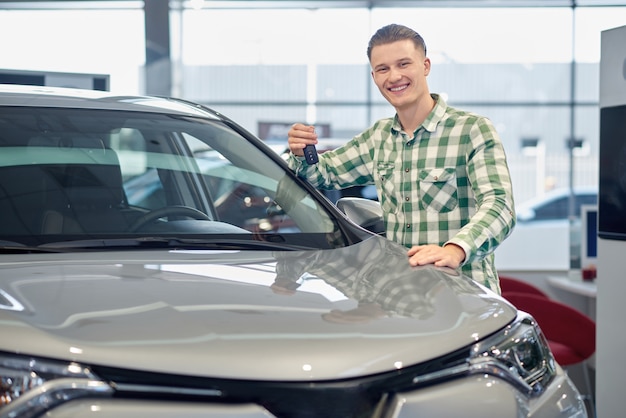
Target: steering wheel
{"x":166,"y":212}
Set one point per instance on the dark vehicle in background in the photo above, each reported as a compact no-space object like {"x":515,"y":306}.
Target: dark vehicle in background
{"x":157,"y":260}
{"x":554,"y":205}
{"x":546,"y":237}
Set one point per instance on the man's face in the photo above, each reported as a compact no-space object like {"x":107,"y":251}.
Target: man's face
{"x":399,"y":70}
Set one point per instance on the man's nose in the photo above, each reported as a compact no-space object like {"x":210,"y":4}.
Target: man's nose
{"x":395,"y":74}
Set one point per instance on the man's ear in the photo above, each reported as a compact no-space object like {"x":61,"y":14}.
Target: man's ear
{"x":426,"y":66}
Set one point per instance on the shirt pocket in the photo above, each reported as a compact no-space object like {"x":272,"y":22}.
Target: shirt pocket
{"x":438,"y":191}
{"x":385,"y":178}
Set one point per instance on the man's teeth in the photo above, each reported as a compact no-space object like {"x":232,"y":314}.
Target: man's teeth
{"x":398,"y":88}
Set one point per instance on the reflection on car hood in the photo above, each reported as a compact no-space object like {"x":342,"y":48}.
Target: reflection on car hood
{"x":243,"y":314}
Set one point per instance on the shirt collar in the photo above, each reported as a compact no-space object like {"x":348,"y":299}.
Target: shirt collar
{"x":433,"y":118}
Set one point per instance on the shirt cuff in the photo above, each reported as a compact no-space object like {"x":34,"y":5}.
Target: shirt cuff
{"x":466,"y":249}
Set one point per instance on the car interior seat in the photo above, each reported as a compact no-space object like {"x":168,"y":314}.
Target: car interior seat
{"x":63,"y":186}
{"x":94,"y":195}
{"x":92,"y":192}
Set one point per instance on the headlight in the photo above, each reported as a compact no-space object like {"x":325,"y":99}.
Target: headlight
{"x":518,"y":354}
{"x":29,"y":386}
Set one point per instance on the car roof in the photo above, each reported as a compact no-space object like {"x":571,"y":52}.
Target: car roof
{"x":62,"y":97}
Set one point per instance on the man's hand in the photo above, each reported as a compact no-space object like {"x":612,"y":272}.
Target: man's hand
{"x":448,"y":256}
{"x":300,"y":136}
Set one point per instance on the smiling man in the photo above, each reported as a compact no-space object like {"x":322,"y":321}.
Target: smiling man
{"x":441,"y":173}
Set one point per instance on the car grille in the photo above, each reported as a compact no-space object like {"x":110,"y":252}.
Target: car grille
{"x":348,"y":398}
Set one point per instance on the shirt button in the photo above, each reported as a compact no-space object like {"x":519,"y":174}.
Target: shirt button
{"x":408,"y":226}
{"x":406,"y":170}
{"x":436,"y":178}
{"x":407,"y":198}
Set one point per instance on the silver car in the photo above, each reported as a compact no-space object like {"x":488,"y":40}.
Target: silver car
{"x":157,"y":260}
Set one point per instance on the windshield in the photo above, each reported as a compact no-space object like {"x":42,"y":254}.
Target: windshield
{"x":70,"y":175}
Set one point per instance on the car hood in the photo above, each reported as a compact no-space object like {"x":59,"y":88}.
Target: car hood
{"x":297,"y":315}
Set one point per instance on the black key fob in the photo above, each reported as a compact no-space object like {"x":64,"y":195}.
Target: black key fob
{"x":310,"y":154}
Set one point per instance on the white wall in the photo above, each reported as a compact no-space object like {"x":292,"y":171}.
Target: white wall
{"x":611,"y":281}
{"x":611,"y":332}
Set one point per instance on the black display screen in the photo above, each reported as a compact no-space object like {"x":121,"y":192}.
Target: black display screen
{"x":612,"y":190}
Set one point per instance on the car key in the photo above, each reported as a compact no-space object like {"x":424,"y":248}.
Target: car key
{"x":310,"y":154}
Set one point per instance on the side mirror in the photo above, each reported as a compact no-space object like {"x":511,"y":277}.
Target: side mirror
{"x":364,"y":212}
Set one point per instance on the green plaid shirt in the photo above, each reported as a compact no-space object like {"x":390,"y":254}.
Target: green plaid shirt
{"x":449,"y":182}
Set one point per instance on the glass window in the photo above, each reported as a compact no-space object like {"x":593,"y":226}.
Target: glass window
{"x":90,"y":40}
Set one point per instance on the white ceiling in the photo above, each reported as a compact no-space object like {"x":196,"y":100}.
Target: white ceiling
{"x":50,"y":4}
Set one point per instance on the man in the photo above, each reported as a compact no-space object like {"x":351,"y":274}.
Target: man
{"x":441,"y":173}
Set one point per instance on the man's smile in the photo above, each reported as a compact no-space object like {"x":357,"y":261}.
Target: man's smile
{"x":398,"y":88}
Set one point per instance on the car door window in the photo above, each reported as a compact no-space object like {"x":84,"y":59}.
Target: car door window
{"x":555,"y":209}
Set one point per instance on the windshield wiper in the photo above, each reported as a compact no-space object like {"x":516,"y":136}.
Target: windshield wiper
{"x":274,"y":243}
{"x":12,"y":247}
